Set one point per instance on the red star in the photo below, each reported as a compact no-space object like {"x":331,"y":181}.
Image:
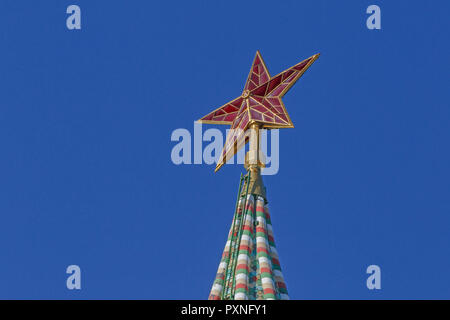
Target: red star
{"x":260,"y":102}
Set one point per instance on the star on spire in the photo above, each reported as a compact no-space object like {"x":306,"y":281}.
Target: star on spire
{"x":260,"y":102}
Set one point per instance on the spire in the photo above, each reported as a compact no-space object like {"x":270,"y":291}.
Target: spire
{"x":250,"y":267}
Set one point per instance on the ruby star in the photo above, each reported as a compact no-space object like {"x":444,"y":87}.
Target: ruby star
{"x":260,"y":102}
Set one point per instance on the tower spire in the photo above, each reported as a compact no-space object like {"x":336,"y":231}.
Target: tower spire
{"x":250,"y":267}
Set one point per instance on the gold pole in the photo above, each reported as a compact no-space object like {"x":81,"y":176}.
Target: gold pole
{"x":254,"y":145}
{"x":254,"y":161}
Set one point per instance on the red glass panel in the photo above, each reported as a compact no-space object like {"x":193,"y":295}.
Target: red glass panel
{"x":274,"y":83}
{"x":230,"y":108}
{"x":267,"y":118}
{"x":251,"y":85}
{"x":237,"y":103}
{"x":279,"y":110}
{"x":263,"y":78}
{"x":219,"y":118}
{"x":244,"y":122}
{"x":258,"y":74}
{"x":270,"y":107}
{"x":252,"y":102}
{"x":291,"y":77}
{"x":230,"y":117}
{"x":301,"y":65}
{"x":287,"y":74}
{"x":236,"y":121}
{"x":243,"y":106}
{"x":274,"y":101}
{"x":261,"y":90}
{"x":259,"y":108}
{"x":279,"y":121}
{"x":278,"y":90}
{"x":258,"y":98}
{"x":283,"y":116}
{"x":255,"y":115}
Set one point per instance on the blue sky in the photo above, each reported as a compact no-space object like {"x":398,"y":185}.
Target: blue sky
{"x":86,"y":117}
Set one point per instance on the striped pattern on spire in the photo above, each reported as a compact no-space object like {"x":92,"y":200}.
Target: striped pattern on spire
{"x":250,"y":267}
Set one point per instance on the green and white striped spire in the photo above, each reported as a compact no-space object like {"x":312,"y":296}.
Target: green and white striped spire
{"x":250,"y":267}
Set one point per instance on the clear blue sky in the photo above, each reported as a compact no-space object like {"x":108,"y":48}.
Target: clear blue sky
{"x":85,"y":124}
